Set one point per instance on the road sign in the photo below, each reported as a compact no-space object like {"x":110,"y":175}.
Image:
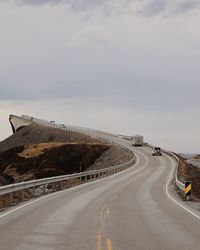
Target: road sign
{"x":188,"y":188}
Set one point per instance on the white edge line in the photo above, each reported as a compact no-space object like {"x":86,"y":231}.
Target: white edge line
{"x":176,"y":201}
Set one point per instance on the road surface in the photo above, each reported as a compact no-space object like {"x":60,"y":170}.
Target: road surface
{"x":129,"y":210}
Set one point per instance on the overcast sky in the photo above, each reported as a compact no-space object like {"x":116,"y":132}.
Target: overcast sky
{"x":126,"y":66}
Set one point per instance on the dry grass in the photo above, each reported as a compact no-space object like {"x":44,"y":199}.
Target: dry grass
{"x":34,"y":150}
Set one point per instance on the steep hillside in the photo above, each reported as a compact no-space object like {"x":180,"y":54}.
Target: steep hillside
{"x":42,"y":160}
{"x":37,"y":152}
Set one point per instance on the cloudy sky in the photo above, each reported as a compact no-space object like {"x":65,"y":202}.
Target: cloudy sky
{"x":127,"y":66}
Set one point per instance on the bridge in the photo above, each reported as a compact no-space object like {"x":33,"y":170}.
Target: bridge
{"x":133,"y":208}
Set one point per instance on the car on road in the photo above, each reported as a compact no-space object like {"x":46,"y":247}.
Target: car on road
{"x":156,"y":151}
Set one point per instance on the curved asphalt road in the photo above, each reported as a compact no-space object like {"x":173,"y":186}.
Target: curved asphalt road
{"x":127,"y":211}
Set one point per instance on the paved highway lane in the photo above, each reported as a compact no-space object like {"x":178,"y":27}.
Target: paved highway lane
{"x":129,"y":210}
{"x":145,"y":216}
{"x":64,"y":220}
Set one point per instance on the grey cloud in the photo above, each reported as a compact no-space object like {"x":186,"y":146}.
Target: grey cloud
{"x":38,"y":2}
{"x":147,"y":8}
{"x":187,"y":5}
{"x":76,"y":4}
{"x":168,"y":7}
{"x":154,"y":7}
{"x":106,"y":7}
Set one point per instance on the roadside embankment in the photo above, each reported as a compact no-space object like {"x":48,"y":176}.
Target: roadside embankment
{"x":190,"y":172}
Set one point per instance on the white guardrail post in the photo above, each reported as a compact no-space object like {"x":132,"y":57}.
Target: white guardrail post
{"x":179,"y":184}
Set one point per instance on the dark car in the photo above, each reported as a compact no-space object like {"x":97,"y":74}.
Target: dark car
{"x":156,"y":151}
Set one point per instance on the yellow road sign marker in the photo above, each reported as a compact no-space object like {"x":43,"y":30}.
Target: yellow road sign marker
{"x":188,"y":188}
{"x":109,"y":244}
{"x":99,"y":240}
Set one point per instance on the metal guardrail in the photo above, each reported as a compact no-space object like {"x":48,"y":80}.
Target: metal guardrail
{"x":67,"y":127}
{"x":179,"y":184}
{"x":58,"y":182}
{"x":78,"y":129}
{"x":64,"y":181}
{"x":89,"y":175}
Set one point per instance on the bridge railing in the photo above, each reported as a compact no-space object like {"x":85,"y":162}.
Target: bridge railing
{"x":67,"y":127}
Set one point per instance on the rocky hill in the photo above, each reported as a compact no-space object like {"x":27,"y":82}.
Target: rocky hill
{"x":38,"y":152}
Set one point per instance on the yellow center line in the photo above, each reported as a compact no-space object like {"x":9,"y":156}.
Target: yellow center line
{"x":109,"y":244}
{"x":99,"y":240}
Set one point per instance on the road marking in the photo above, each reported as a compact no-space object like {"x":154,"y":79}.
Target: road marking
{"x":99,"y":239}
{"x":109,"y":244}
{"x":173,"y":199}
